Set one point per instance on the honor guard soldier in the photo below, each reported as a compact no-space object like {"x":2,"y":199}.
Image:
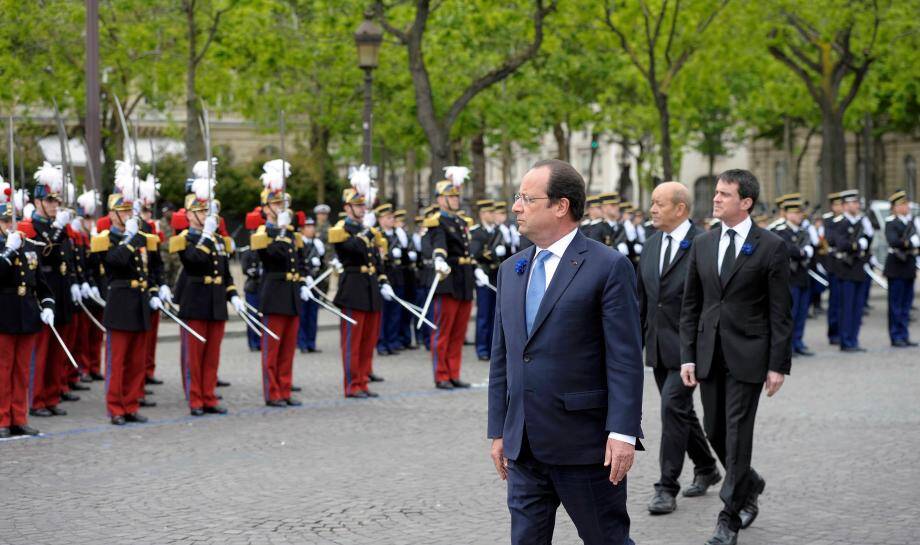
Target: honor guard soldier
{"x":489,"y":250}
{"x":407,"y":268}
{"x":632,"y":241}
{"x":311,"y":255}
{"x":830,"y":263}
{"x":900,"y":267}
{"x":801,"y":252}
{"x":252,"y":269}
{"x":282,"y":281}
{"x":595,"y":215}
{"x":851,"y":237}
{"x":146,"y":203}
{"x":125,"y":250}
{"x":453,"y":265}
{"x":27,"y":304}
{"x":87,"y":348}
{"x":49,"y":226}
{"x":363,"y":286}
{"x":421,"y":242}
{"x":203,"y":301}
{"x":388,"y":343}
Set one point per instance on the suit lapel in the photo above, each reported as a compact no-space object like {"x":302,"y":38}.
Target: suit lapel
{"x":655,"y":254}
{"x":680,"y":251}
{"x":712,"y":256}
{"x":522,"y":292}
{"x":568,"y":266}
{"x":752,"y":239}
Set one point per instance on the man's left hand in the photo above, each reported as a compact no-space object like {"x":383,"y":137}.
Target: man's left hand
{"x":619,"y":456}
{"x":774,"y":382}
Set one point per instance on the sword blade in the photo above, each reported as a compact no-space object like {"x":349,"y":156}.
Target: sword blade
{"x":431,"y":290}
{"x":64,"y":346}
{"x":182,"y":324}
{"x":91,"y":317}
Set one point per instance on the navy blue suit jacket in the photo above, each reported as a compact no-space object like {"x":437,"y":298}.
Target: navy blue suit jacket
{"x":578,"y":376}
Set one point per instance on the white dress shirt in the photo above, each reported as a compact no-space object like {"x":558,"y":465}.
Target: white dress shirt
{"x":741,"y":233}
{"x":550,"y":264}
{"x":677,"y":236}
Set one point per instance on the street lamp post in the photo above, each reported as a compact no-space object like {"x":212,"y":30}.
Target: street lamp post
{"x":368,"y":38}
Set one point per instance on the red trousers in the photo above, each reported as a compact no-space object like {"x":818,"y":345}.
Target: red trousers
{"x":358,"y":342}
{"x":16,"y":353}
{"x":80,"y":325}
{"x":50,"y":360}
{"x":278,"y":356}
{"x":92,"y":348}
{"x":151,"y":350}
{"x":200,"y":361}
{"x":452,"y":316}
{"x":124,"y":371}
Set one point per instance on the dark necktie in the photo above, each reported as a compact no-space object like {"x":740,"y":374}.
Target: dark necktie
{"x":728,"y":260}
{"x":667,"y":255}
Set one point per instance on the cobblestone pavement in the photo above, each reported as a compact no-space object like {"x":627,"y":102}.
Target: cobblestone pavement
{"x":838,"y":446}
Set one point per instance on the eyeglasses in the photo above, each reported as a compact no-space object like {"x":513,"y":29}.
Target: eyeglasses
{"x":527,"y":199}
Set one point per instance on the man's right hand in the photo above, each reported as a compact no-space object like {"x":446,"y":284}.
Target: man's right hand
{"x":498,"y":458}
{"x":688,"y":375}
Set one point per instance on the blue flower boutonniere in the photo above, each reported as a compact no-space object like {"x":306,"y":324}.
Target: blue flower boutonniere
{"x":520,"y":266}
{"x":747,"y":248}
{"x":685,"y":244}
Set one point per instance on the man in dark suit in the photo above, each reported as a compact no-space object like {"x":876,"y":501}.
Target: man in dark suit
{"x":735,"y":333}
{"x":565,"y":384}
{"x":662,"y":271}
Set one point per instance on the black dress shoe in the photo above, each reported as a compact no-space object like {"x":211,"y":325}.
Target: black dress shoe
{"x":135,"y":417}
{"x":5,"y":433}
{"x":804,"y":352}
{"x":293,"y":402}
{"x":903,"y":344}
{"x":444,"y":385}
{"x":374,"y":378}
{"x":834,"y":340}
{"x":459,"y":383}
{"x":148,"y":392}
{"x":411,"y":347}
{"x":40,"y":412}
{"x":296,"y":389}
{"x":723,"y":536}
{"x":222,"y":383}
{"x":77,"y":386}
{"x":701,"y":484}
{"x":750,"y":510}
{"x":67,"y":396}
{"x":118,"y":420}
{"x":197,"y":412}
{"x":24,"y":430}
{"x":662,"y":503}
{"x":314,"y":350}
{"x":276,"y":403}
{"x":216,"y":409}
{"x":57,"y":411}
{"x":357,"y":395}
{"x":96,"y":376}
{"x":86,"y":379}
{"x":153,"y":380}
{"x":145,"y":403}
{"x":369,"y":393}
{"x":852,"y":349}
{"x":219,"y":397}
{"x":484,"y":358}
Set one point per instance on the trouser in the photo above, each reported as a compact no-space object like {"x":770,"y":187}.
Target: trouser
{"x":199,"y":362}
{"x":255,"y":343}
{"x":357,"y":344}
{"x":405,"y":319}
{"x":17,"y":356}
{"x":422,"y":334}
{"x":730,"y":408}
{"x":865,"y":287}
{"x":306,"y":333}
{"x":278,"y":356}
{"x":596,"y":506}
{"x":833,"y":308}
{"x":388,"y":338}
{"x":851,"y":307}
{"x":49,"y":360}
{"x":816,"y":290}
{"x":451,"y":316}
{"x":485,"y":320}
{"x":125,"y":360}
{"x":801,"y":297}
{"x":900,"y":291}
{"x":680,"y":432}
{"x":79,"y":347}
{"x":150,"y":349}
{"x":92,"y":348}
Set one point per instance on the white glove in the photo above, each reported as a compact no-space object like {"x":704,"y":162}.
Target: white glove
{"x":441,"y":267}
{"x":85,"y":291}
{"x":305,"y":293}
{"x":155,"y":303}
{"x":412,"y":255}
{"x":95,"y":293}
{"x":132,"y":226}
{"x":500,"y":250}
{"x":874,"y":262}
{"x":397,"y":253}
{"x":14,"y":241}
{"x":337,"y":264}
{"x":284,"y":219}
{"x":637,"y":248}
{"x":914,"y":241}
{"x":863,"y":244}
{"x":47,"y":316}
{"x":315,"y":261}
{"x":77,"y":225}
{"x":623,"y":248}
{"x":75,"y":293}
{"x":210,"y":226}
{"x":481,"y":277}
{"x":166,"y":294}
{"x":309,"y":282}
{"x":320,"y":247}
{"x":386,"y":291}
{"x":238,"y":304}
{"x":62,"y":219}
{"x":809,"y":252}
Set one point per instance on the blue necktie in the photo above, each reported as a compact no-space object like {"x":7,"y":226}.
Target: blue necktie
{"x":536,"y":288}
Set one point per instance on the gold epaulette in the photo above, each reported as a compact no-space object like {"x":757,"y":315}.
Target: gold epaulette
{"x":153,"y":242}
{"x":298,"y":241}
{"x":469,"y":221}
{"x":380,"y":241}
{"x":100,"y":242}
{"x":259,"y":240}
{"x":228,"y":245}
{"x":433,"y":220}
{"x":338,"y":233}
{"x":178,"y":242}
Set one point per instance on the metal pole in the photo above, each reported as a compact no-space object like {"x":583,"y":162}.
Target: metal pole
{"x":93,"y":115}
{"x":283,"y":164}
{"x":12,"y":166}
{"x":368,"y":117}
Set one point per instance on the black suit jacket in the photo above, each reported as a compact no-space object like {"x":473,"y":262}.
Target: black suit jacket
{"x":751,"y":316}
{"x":660,"y":297}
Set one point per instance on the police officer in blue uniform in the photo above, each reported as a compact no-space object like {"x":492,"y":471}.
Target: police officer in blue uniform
{"x":851,"y":237}
{"x":801,"y":252}
{"x":900,"y":267}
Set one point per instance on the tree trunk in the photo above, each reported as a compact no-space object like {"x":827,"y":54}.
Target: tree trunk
{"x":409,"y":198}
{"x":788,"y":152}
{"x":478,"y":158}
{"x":879,"y":158}
{"x":562,"y":142}
{"x":194,"y":148}
{"x":381,"y":176}
{"x":318,"y":159}
{"x":440,"y":158}
{"x":507,"y":159}
{"x":833,"y":152}
{"x":664,"y":120}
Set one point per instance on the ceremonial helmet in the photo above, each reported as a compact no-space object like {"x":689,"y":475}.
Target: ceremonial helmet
{"x":49,"y":181}
{"x":274,"y":174}
{"x":8,"y":200}
{"x":360,"y":191}
{"x":88,"y":203}
{"x":454,"y":178}
{"x":126,"y":187}
{"x":898,"y":197}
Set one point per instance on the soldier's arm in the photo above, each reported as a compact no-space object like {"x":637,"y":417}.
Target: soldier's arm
{"x":122,"y":254}
{"x":894,"y":238}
